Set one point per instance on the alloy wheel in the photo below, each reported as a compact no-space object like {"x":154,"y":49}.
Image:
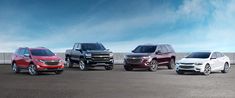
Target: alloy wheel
{"x":82,"y":65}
{"x":153,"y":65}
{"x":32,"y":69}
{"x":207,"y":70}
{"x":226,"y":68}
{"x":14,"y":68}
{"x":172,"y":64}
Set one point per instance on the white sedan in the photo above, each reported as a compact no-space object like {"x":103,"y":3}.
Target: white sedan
{"x":203,"y":62}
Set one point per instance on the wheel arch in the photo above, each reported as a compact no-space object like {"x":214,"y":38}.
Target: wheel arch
{"x":155,"y":58}
{"x":13,"y":62}
{"x":227,"y":63}
{"x":173,"y":57}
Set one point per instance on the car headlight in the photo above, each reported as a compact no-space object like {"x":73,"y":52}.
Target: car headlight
{"x":111,"y":54}
{"x":146,"y":57}
{"x":42,"y":61}
{"x":197,"y":63}
{"x":88,"y":55}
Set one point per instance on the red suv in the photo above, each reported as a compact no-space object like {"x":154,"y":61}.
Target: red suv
{"x":36,"y":60}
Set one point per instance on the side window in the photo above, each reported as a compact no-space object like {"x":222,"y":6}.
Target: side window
{"x":170,"y":48}
{"x":75,"y":45}
{"x":26,"y":51}
{"x":79,"y":46}
{"x":214,"y":55}
{"x":159,"y":48}
{"x":164,"y":49}
{"x":21,"y":51}
{"x":219,"y":54}
{"x":17,"y":51}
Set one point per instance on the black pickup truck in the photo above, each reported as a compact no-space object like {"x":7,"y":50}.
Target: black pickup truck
{"x":88,"y":55}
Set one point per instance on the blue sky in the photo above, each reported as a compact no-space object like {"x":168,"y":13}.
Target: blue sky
{"x":121,"y":25}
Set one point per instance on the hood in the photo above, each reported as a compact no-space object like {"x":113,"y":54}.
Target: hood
{"x":138,"y":54}
{"x":192,"y":60}
{"x":47,"y":57}
{"x":98,"y":51}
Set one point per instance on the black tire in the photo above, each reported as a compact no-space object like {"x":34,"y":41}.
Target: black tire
{"x":153,"y":65}
{"x":180,"y":72}
{"x":207,"y":70}
{"x":171,"y":64}
{"x":82,"y":65}
{"x":128,"y":68}
{"x":15,"y":68}
{"x":108,"y":67}
{"x":226,"y":68}
{"x":69,"y":63}
{"x":32,"y":69}
{"x":58,"y":72}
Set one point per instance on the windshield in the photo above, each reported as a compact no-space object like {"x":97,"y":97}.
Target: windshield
{"x":199,"y":55}
{"x":92,"y":46}
{"x":144,"y":49}
{"x":41,"y":52}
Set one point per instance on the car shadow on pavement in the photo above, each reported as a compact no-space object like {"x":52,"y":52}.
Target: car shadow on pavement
{"x":89,"y":69}
{"x":25,"y":73}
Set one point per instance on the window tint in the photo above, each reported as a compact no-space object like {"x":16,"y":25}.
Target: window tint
{"x":92,"y":46}
{"x":145,"y":49}
{"x":202,"y":55}
{"x":41,"y":52}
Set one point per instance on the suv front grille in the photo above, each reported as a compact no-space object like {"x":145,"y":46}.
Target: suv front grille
{"x":134,"y":60}
{"x":52,"y":62}
{"x":186,"y":67}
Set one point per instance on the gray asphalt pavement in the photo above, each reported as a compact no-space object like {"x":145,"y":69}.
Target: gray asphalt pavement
{"x":98,"y":83}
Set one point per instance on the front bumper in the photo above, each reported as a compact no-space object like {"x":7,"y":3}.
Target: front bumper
{"x":49,"y":68}
{"x":141,"y":64}
{"x":189,"y":68}
{"x":99,"y":61}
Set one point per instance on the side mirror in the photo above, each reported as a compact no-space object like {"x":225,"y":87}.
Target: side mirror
{"x":132,"y":51}
{"x":26,"y":55}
